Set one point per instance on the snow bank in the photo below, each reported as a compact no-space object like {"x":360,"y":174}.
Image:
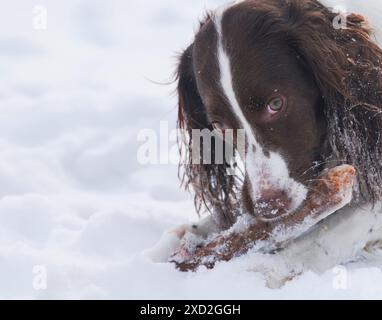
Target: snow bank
{"x":76,"y":208}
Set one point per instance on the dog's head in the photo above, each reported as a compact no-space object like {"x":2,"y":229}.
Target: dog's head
{"x":306,"y":94}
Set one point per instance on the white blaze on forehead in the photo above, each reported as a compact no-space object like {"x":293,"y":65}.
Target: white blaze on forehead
{"x":264,"y":172}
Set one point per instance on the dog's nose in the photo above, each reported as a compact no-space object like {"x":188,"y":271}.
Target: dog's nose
{"x":272,"y":204}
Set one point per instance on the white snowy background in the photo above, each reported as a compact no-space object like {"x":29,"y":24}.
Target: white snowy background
{"x":74,"y":201}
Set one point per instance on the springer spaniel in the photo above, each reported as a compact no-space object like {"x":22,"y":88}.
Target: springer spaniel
{"x":308,"y":97}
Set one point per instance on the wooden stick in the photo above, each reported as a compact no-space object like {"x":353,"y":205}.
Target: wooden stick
{"x":331,"y":192}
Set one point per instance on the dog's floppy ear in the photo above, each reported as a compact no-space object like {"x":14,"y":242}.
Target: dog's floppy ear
{"x":347,"y":67}
{"x":191,"y":112}
{"x":214,"y":187}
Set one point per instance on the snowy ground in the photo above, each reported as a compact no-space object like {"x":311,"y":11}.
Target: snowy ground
{"x":76,"y":207}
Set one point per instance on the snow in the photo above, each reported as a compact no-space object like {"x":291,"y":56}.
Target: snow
{"x":77,"y":210}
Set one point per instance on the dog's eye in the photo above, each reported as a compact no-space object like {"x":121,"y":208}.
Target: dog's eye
{"x":276,"y":105}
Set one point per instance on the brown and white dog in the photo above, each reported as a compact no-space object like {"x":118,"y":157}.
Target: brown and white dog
{"x":308,"y":96}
